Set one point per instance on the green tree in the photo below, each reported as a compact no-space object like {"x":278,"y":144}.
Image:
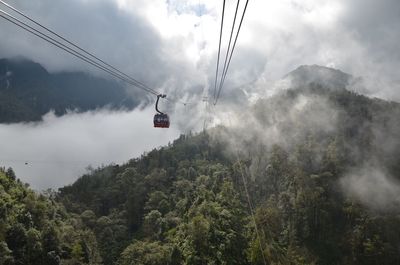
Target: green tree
{"x":146,"y":253}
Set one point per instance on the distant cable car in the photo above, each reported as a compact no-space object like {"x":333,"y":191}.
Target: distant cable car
{"x":161,"y":120}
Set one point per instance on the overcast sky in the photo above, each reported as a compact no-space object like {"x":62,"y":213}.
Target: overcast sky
{"x":171,"y":45}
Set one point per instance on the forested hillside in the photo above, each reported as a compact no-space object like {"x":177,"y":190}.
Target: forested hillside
{"x":28,"y":91}
{"x":34,"y":229}
{"x":322,"y":173}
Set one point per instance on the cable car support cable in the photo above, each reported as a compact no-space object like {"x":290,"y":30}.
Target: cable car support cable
{"x":85,"y":56}
{"x":229,"y":45}
{"x":249,"y":202}
{"x":230,"y":56}
{"x":219,"y":48}
{"x":67,"y":49}
{"x":74,"y":45}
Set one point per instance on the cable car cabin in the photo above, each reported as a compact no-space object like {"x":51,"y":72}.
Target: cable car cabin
{"x":161,"y":120}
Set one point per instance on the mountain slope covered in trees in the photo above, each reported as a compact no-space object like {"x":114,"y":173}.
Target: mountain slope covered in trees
{"x":322,"y":171}
{"x":308,"y":176}
{"x":28,"y":91}
{"x":34,"y":229}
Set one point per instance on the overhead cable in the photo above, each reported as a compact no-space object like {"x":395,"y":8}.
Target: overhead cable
{"x":219,"y":48}
{"x":73,"y":44}
{"x":75,"y":50}
{"x":229,"y":45}
{"x":249,"y":202}
{"x":230,"y":56}
{"x":58,"y":44}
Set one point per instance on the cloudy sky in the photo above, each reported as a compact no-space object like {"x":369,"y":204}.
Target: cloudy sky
{"x":171,"y":45}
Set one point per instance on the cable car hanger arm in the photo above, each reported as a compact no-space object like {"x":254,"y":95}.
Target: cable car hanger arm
{"x":158,"y":98}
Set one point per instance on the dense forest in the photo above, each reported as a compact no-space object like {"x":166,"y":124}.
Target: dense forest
{"x":28,"y":91}
{"x":34,"y":229}
{"x":308,"y":176}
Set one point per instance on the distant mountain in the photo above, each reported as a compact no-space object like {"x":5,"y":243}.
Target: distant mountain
{"x":325,"y":76}
{"x":28,"y":91}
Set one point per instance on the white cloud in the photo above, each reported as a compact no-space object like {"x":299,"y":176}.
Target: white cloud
{"x":373,"y":188}
{"x":159,"y":40}
{"x":58,"y":150}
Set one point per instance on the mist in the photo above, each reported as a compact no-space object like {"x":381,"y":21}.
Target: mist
{"x":272,"y":121}
{"x":56,"y":151}
{"x":373,"y":188}
{"x":365,"y":139}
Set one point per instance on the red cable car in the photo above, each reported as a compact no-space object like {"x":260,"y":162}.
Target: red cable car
{"x":161,"y":120}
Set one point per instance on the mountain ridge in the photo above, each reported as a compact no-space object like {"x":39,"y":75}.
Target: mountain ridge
{"x":28,"y":86}
{"x":328,"y":77}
